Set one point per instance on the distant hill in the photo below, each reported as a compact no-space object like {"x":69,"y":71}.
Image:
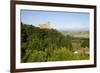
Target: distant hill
{"x":80,"y":34}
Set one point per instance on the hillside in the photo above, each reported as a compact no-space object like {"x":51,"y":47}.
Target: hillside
{"x":41,"y":45}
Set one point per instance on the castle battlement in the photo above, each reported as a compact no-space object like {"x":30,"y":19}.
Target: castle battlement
{"x":44,"y":26}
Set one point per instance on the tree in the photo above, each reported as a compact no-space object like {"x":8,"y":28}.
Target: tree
{"x":37,"y":56}
{"x":85,"y":43}
{"x":60,"y":54}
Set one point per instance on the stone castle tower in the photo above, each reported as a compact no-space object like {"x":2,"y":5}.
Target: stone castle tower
{"x":45,"y":25}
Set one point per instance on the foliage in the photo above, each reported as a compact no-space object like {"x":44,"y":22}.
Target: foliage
{"x":37,"y":56}
{"x":85,"y":43}
{"x":60,"y":55}
{"x":41,"y":45}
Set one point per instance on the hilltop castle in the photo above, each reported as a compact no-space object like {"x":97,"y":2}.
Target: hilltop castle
{"x":44,"y":26}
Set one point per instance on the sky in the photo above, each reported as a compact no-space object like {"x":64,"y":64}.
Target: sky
{"x":60,"y":20}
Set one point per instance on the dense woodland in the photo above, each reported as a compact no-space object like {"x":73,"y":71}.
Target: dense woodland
{"x":42,"y":45}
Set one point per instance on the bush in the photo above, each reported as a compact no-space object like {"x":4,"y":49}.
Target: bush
{"x":37,"y":56}
{"x":60,"y":55}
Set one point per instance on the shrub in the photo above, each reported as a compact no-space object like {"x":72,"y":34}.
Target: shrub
{"x":37,"y":56}
{"x":60,"y":55}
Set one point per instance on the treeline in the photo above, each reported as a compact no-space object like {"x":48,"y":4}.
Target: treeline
{"x":41,"y":45}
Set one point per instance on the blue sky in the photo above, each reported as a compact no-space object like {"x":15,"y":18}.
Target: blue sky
{"x":59,"y":20}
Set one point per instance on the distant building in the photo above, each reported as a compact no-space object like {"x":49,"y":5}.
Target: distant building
{"x":44,"y":26}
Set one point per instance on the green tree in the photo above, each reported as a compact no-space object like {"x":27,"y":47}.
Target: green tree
{"x":37,"y":56}
{"x":60,"y":55}
{"x":85,"y":43}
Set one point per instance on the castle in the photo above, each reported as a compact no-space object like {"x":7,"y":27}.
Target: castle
{"x":44,"y":26}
